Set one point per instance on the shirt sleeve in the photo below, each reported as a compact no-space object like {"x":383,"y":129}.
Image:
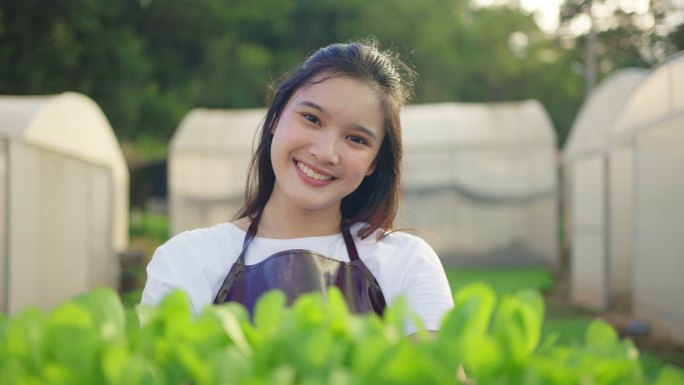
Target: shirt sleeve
{"x":162,"y":278}
{"x":426,"y":288}
{"x":185,"y":262}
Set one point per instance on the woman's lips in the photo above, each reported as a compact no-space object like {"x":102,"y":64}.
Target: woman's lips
{"x":313,"y":177}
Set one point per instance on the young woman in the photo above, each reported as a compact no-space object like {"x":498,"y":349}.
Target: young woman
{"x":321,"y":200}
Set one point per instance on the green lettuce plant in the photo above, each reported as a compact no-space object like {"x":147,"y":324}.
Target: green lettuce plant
{"x":93,"y":339}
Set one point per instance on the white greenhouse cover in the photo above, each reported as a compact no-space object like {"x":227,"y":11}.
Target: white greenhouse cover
{"x":208,"y":160}
{"x":480,"y":182}
{"x":65,"y":214}
{"x":591,"y":130}
{"x":601,"y":255}
{"x":654,"y":118}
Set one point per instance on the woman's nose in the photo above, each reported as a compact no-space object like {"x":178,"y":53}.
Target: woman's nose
{"x":324,"y":148}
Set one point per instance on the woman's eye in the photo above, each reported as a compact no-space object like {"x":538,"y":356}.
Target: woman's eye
{"x":312,"y":118}
{"x":358,"y":139}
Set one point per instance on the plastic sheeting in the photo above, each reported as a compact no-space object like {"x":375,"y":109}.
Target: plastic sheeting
{"x":3,"y":222}
{"x":654,"y":118}
{"x":208,"y":160}
{"x":66,"y":184}
{"x":630,"y":198}
{"x":598,"y":201}
{"x":480,"y":182}
{"x":60,"y":239}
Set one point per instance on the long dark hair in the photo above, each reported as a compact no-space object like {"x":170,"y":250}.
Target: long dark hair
{"x":376,"y":200}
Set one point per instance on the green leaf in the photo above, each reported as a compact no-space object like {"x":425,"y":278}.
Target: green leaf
{"x":175,"y":306}
{"x":73,"y":342}
{"x":369,"y":355}
{"x":467,"y":323}
{"x":312,"y":350}
{"x":230,"y":366}
{"x":231,"y":325}
{"x":282,"y":375}
{"x":145,"y":313}
{"x":394,"y":320}
{"x":670,"y":376}
{"x":473,"y":307}
{"x":601,"y":335}
{"x":106,"y":310}
{"x":193,"y":364}
{"x":338,"y":312}
{"x":24,"y":340}
{"x":122,"y":367}
{"x":268,"y":312}
{"x":518,"y":323}
{"x":309,"y":310}
{"x":71,"y":314}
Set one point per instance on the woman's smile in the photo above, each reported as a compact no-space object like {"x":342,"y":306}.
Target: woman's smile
{"x":313,"y":177}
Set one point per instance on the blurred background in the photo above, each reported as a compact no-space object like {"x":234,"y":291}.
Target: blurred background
{"x":125,"y":122}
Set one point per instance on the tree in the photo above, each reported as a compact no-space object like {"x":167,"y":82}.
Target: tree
{"x":623,"y":38}
{"x":677,"y":37}
{"x":147,"y":63}
{"x":50,"y":47}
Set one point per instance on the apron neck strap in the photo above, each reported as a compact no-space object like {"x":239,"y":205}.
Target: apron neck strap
{"x":351,"y":247}
{"x":249,"y":237}
{"x":254,"y":227}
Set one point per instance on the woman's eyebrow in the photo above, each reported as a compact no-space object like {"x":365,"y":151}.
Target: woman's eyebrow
{"x":312,"y":105}
{"x":367,"y":131}
{"x":359,"y":127}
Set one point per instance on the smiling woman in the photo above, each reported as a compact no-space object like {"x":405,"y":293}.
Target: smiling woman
{"x":320,"y":203}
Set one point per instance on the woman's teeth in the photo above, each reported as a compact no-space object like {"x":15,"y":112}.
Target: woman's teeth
{"x":312,"y":174}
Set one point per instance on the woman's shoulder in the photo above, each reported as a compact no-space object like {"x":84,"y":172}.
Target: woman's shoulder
{"x":398,"y":242}
{"x":218,"y":237}
{"x":397,"y":237}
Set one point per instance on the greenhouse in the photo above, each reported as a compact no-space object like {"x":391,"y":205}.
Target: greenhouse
{"x":208,"y":159}
{"x":653,"y":120}
{"x":63,"y":200}
{"x":480,"y":182}
{"x":624,"y":159}
{"x":598,"y":194}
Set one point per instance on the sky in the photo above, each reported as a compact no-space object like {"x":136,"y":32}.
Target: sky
{"x":546,"y":11}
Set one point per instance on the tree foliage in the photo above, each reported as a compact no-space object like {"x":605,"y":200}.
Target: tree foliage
{"x":148,"y":62}
{"x":625,"y":38}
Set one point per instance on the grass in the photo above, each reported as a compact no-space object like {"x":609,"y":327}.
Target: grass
{"x":145,"y":224}
{"x":147,"y":231}
{"x":570,"y":324}
{"x":503,"y":281}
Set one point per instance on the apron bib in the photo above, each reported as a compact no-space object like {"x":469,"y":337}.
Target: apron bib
{"x":296,"y":272}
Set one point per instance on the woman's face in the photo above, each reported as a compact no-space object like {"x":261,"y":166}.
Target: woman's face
{"x":325,"y":142}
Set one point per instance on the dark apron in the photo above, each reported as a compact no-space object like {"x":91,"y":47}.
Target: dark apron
{"x":296,"y":272}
